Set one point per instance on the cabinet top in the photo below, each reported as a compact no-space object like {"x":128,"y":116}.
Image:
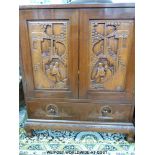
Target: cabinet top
{"x":58,"y":6}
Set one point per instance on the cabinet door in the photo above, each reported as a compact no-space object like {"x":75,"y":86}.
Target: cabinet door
{"x":107,"y":54}
{"x":49,"y":52}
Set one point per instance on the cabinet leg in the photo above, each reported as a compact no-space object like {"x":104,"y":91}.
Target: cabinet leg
{"x":130,"y":137}
{"x":29,"y":134}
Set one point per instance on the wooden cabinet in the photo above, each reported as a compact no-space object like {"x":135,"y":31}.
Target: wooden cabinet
{"x":78,"y":66}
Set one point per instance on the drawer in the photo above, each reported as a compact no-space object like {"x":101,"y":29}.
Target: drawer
{"x":79,"y":111}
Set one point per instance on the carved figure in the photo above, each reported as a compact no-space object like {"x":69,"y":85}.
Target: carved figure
{"x":100,"y":73}
{"x":55,"y":72}
{"x":108,"y":71}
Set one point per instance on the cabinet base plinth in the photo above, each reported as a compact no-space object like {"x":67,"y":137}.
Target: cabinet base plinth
{"x":117,"y":127}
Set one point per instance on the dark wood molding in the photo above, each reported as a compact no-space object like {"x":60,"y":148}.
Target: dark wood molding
{"x":73,"y":6}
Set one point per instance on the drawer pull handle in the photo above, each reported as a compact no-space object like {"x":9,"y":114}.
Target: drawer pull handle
{"x":51,"y":109}
{"x":105,"y":111}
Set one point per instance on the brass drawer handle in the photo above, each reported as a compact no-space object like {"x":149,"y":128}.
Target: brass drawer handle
{"x":51,"y":109}
{"x":106,"y":110}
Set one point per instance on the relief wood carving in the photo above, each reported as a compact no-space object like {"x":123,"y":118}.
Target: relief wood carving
{"x":49,"y":48}
{"x":109,"y":52}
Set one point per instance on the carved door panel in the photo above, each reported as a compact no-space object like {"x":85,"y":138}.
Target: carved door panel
{"x":49,"y":53}
{"x":106,"y":55}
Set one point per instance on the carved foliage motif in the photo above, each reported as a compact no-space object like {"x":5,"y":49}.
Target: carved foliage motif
{"x":49,"y":53}
{"x":109,"y":41}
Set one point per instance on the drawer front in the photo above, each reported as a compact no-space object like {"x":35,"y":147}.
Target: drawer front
{"x":79,"y":111}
